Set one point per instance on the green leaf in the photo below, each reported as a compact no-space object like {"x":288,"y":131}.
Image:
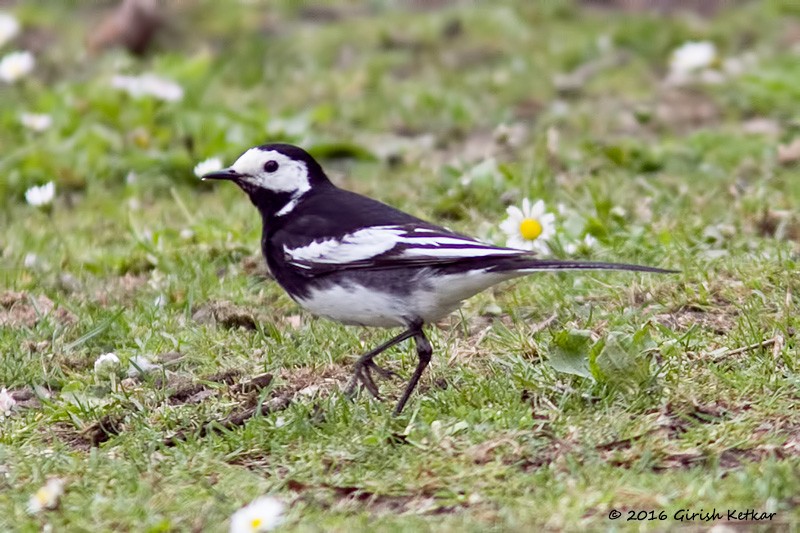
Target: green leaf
{"x":623,"y":359}
{"x":570,"y":352}
{"x":94,"y":332}
{"x":617,"y":154}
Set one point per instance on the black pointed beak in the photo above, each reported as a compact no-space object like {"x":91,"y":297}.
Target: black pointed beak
{"x":224,"y":174}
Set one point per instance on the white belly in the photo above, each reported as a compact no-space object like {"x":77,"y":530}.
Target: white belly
{"x":359,"y":305}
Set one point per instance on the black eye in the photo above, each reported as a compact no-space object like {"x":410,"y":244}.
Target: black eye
{"x":271,"y":166}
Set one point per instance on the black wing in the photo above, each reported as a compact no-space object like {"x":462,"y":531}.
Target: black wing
{"x":391,"y":246}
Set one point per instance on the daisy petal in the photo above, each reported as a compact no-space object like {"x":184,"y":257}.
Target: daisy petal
{"x":526,"y":207}
{"x":509,"y":226}
{"x":514,"y":212}
{"x":519,"y":243}
{"x":538,"y":209}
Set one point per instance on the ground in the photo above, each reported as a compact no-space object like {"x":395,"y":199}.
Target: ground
{"x":551,"y":402}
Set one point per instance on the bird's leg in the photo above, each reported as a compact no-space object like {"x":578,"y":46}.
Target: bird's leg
{"x":365,"y":362}
{"x":424,"y":352}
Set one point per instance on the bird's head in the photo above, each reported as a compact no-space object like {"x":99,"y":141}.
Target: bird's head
{"x":275,"y":176}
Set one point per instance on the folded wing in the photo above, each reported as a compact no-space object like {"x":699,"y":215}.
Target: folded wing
{"x":392,"y":246}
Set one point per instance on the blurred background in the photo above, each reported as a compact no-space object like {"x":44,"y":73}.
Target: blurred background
{"x":663,"y":132}
{"x":452,"y":110}
{"x":150,"y":88}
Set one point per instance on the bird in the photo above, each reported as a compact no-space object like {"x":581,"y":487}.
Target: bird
{"x":355,"y":260}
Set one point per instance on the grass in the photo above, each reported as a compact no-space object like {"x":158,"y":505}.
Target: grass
{"x":550,"y":401}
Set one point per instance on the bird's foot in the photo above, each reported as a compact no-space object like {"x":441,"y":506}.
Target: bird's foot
{"x":369,"y":383}
{"x":382,"y":372}
{"x":363,"y":374}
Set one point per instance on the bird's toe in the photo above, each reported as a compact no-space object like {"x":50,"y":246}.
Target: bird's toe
{"x":366,"y":379}
{"x":382,"y":372}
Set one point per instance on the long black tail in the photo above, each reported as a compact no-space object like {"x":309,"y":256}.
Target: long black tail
{"x":524,"y":264}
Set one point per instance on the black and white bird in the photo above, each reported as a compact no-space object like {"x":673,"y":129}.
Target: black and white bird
{"x":358,"y":261}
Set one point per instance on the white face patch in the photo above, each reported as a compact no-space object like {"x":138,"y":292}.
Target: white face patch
{"x":290,"y":176}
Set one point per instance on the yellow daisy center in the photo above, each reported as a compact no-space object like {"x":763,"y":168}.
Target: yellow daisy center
{"x":255,"y":523}
{"x":530,"y":229}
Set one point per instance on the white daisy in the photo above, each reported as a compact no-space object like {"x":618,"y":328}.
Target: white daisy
{"x":211,"y":164}
{"x":691,"y":57}
{"x":41,"y":196}
{"x":36,"y":121}
{"x":618,"y":212}
{"x":262,"y":514}
{"x":46,"y":497}
{"x":30,"y":260}
{"x":587,"y":243}
{"x":106,"y":363}
{"x":9,"y":28}
{"x":7,"y":403}
{"x":148,"y":85}
{"x":16,"y":65}
{"x":529,"y":228}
